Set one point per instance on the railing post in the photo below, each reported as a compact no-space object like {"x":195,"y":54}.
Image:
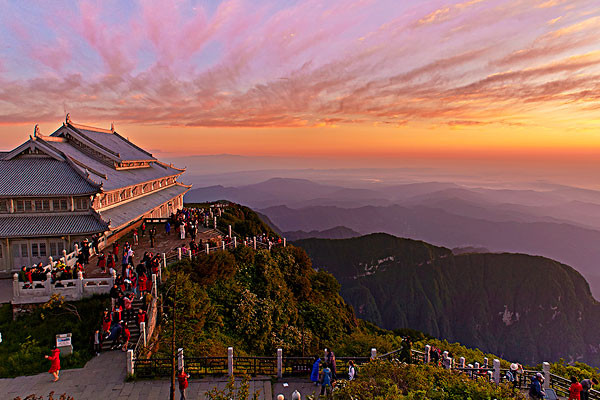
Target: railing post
{"x":190,"y":254}
{"x":269,"y":246}
{"x":215,"y":219}
{"x":179,"y":253}
{"x":16,"y":285}
{"x":427,"y":354}
{"x":485,"y":362}
{"x":130,"y":370}
{"x":179,"y":358}
{"x":373,"y":353}
{"x":279,"y":363}
{"x":476,"y":365}
{"x":207,"y":248}
{"x":143,"y":332}
{"x":154,"y":288}
{"x":79,"y":283}
{"x":229,"y":230}
{"x":546,"y":369}
{"x":284,"y":242}
{"x":230,"y":361}
{"x":496,"y":371}
{"x":164,"y":261}
{"x":254,"y":242}
{"x":461,"y":362}
{"x":223,"y":244}
{"x":234,"y":242}
{"x":48,"y":284}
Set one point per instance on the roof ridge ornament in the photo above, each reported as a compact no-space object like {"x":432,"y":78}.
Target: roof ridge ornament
{"x":68,"y":118}
{"x":36,"y":130}
{"x":112,"y":127}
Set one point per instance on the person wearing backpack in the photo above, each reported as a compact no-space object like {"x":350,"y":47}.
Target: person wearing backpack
{"x":352,"y":372}
{"x":511,"y":375}
{"x":535,"y":390}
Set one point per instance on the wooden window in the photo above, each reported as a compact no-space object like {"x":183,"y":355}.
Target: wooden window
{"x":81,"y":203}
{"x":42,"y":205}
{"x":60,"y":205}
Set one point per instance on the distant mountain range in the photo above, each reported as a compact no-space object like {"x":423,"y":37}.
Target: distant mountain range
{"x":518,"y":306}
{"x":338,"y":232}
{"x":555,"y":221}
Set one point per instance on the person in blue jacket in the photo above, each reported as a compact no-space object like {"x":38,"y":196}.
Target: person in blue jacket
{"x":314,"y":375}
{"x":535,"y":390}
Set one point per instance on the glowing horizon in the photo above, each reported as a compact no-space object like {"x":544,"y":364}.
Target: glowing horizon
{"x":470,"y":78}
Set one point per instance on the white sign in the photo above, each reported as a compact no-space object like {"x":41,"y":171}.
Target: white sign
{"x":63,"y":340}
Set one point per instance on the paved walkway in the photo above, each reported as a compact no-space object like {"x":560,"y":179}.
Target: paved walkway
{"x":103,"y":378}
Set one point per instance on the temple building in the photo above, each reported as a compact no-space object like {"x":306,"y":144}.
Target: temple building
{"x":78,"y":181}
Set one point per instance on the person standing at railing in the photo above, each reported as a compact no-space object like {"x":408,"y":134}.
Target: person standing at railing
{"x":535,"y":389}
{"x":168,"y":228}
{"x":143,"y":228}
{"x":351,"y":370}
{"x":587,"y":384}
{"x":136,"y":239}
{"x":326,"y":380}
{"x":314,"y":375}
{"x":575,"y":389}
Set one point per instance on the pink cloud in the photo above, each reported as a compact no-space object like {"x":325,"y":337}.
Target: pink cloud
{"x":309,"y":63}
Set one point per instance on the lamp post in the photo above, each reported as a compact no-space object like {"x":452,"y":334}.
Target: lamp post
{"x":173,"y":353}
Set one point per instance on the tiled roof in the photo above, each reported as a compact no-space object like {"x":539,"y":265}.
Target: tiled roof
{"x":50,"y":225}
{"x":41,"y":176}
{"x":129,"y":211}
{"x":127,"y":151}
{"x":115,"y":179}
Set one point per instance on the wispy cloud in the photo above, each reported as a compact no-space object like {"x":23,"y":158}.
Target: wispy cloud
{"x":306,"y":63}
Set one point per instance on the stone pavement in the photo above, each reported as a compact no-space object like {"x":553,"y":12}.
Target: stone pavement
{"x":102,"y":378}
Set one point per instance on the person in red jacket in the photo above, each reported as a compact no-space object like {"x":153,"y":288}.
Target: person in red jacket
{"x":141,"y":316}
{"x":126,"y":336}
{"x":54,"y":363}
{"x":106,"y":321}
{"x":575,"y":389}
{"x":182,"y":377}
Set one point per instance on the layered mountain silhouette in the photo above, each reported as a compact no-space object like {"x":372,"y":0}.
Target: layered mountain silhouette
{"x":555,"y":221}
{"x":518,"y":306}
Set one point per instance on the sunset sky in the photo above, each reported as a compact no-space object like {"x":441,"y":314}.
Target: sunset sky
{"x":474,"y":78}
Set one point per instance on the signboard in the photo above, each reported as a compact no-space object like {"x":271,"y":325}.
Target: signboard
{"x":63,"y":340}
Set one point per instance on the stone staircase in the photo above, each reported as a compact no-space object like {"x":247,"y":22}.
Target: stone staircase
{"x":131,"y":324}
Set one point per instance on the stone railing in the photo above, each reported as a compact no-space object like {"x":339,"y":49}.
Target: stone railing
{"x":71,"y":289}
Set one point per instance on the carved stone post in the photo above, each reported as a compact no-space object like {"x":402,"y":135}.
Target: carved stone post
{"x":230,"y":361}
{"x":229,"y":230}
{"x":16,"y":287}
{"x":130,"y":370}
{"x":180,"y":358}
{"x":143,"y":332}
{"x":546,"y":369}
{"x":48,"y":284}
{"x":461,"y":362}
{"x":154,"y":288}
{"x":427,"y":354}
{"x":235,"y":243}
{"x":179,"y":253}
{"x":254,"y":242}
{"x":79,"y":283}
{"x":284,"y":242}
{"x":279,"y":363}
{"x":497,"y":371}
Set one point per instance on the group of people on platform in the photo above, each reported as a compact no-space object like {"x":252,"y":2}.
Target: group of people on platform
{"x":324,"y":372}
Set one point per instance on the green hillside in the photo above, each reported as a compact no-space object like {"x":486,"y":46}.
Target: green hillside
{"x":518,"y":306}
